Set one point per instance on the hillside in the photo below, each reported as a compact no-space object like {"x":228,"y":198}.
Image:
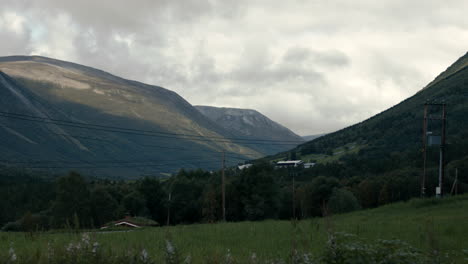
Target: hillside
{"x":42,"y":89}
{"x":458,"y":65}
{"x":391,"y":141}
{"x":312,"y":137}
{"x":251,"y":124}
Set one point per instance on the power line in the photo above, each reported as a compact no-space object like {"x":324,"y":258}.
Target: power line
{"x":105,"y":167}
{"x":107,"y":161}
{"x":144,"y":132}
{"x":49,"y":120}
{"x":235,"y":154}
{"x":80,"y":164}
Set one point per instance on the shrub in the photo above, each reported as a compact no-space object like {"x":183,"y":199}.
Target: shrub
{"x":342,"y":201}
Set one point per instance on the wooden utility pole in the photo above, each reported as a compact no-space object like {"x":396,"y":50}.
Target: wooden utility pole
{"x":223,"y":187}
{"x":442,"y":153}
{"x":294,"y":194}
{"x":455,"y":183}
{"x":291,"y":173}
{"x":423,"y":178}
{"x":168,"y":220}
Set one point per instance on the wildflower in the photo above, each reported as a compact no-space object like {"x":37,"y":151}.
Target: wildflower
{"x":85,"y":239}
{"x":188,"y":260}
{"x":50,"y":251}
{"x":228,"y":257}
{"x":171,"y":253}
{"x":70,"y":247}
{"x":170,"y":248}
{"x":253,"y":258}
{"x":144,"y":255}
{"x":12,"y":254}
{"x":95,"y":247}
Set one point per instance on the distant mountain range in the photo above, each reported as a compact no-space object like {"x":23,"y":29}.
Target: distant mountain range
{"x":58,"y":116}
{"x":251,"y":124}
{"x":312,"y":137}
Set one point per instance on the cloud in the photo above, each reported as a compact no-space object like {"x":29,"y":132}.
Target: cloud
{"x":314,"y":66}
{"x":15,"y":35}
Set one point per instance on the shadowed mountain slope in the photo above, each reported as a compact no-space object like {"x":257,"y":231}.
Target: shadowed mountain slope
{"x":44,"y":89}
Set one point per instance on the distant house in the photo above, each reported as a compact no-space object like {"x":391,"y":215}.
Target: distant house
{"x":126,"y":224}
{"x":244,"y":166}
{"x":289,"y":163}
{"x":130,"y":222}
{"x":309,"y":165}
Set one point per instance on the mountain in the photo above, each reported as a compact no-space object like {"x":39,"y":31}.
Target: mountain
{"x":60,"y":115}
{"x":252,"y":124}
{"x":391,"y":141}
{"x":312,"y":137}
{"x":458,"y":65}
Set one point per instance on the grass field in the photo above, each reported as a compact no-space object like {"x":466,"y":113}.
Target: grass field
{"x":429,"y":224}
{"x":351,"y":148}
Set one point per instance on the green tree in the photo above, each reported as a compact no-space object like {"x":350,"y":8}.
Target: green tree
{"x":316,"y":194}
{"x":154,"y":195}
{"x":211,"y":203}
{"x":104,"y":206}
{"x":258,"y":193}
{"x":135,"y":204}
{"x":342,"y":201}
{"x":72,"y":198}
{"x":186,"y":197}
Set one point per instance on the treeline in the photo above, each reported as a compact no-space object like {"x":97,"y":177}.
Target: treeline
{"x":257,"y":193}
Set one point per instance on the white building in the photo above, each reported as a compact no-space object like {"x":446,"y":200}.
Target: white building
{"x":244,"y":166}
{"x":308,"y":165}
{"x":289,"y":163}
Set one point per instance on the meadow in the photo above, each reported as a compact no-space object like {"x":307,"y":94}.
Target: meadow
{"x":434,"y":228}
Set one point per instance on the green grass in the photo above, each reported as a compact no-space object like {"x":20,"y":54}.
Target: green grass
{"x":350,"y":148}
{"x":425,"y":224}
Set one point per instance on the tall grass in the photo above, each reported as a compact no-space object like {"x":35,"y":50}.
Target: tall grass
{"x":429,"y":230}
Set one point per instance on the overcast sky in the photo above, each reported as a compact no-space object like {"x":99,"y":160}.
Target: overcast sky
{"x":313,"y":66}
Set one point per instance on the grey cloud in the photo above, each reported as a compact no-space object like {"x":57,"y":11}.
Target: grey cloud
{"x":15,"y":44}
{"x":336,"y":62}
{"x":259,"y":68}
{"x":318,"y":58}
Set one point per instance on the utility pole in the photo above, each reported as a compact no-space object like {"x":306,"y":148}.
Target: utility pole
{"x":294,"y":194}
{"x":423,"y":178}
{"x":291,"y":173}
{"x":443,"y":118}
{"x":442,"y":153}
{"x":455,"y":183}
{"x":168,"y":220}
{"x":223,"y":187}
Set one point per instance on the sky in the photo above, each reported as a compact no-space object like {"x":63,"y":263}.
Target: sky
{"x":313,"y":66}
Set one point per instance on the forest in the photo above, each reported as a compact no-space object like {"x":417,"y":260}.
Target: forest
{"x":34,"y":202}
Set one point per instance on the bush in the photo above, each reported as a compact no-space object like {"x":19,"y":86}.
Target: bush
{"x":12,"y":227}
{"x":342,"y":201}
{"x":344,"y":248}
